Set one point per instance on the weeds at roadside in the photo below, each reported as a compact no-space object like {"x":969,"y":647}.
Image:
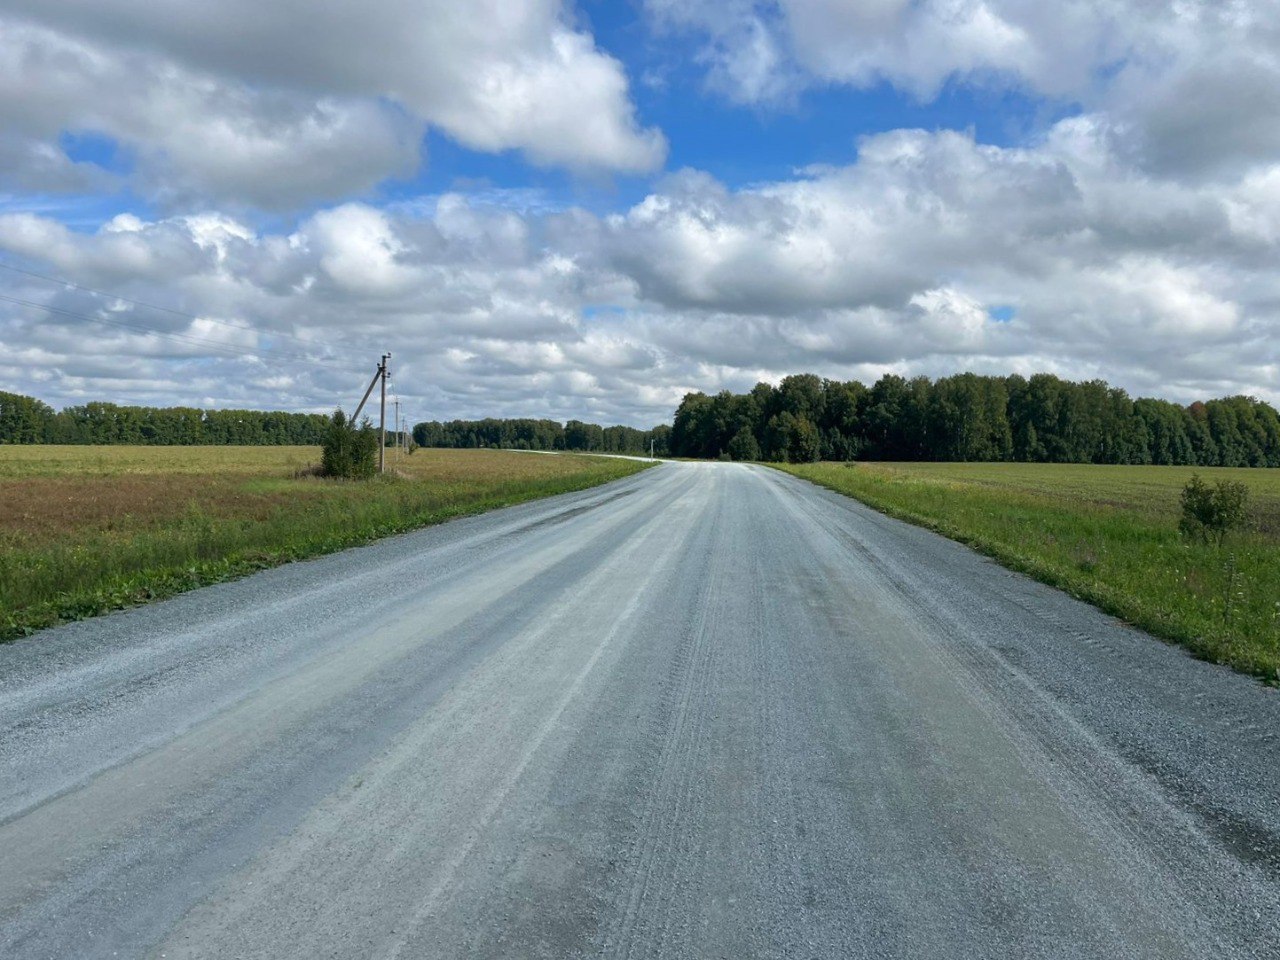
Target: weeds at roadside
{"x":1107,"y":535}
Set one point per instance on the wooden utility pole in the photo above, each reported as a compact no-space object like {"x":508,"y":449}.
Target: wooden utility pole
{"x":382,"y":417}
{"x":377,"y":375}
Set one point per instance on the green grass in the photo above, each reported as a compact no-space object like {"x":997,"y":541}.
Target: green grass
{"x":85,"y":530}
{"x":1108,"y":535}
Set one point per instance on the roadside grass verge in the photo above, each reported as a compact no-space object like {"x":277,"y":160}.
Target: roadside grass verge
{"x":1106,"y":535}
{"x":87,"y":530}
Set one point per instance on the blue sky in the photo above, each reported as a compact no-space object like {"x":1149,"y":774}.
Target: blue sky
{"x":744,"y":144}
{"x":587,"y":210}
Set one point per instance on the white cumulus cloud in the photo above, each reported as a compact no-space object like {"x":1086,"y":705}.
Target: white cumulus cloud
{"x":277,"y":105}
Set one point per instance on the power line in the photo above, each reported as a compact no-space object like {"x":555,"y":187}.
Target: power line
{"x":143,"y":303}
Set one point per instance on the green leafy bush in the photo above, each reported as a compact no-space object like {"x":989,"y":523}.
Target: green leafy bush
{"x":349,"y":452}
{"x":1210,"y":513}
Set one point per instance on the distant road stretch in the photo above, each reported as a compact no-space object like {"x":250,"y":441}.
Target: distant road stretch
{"x":706,"y":711}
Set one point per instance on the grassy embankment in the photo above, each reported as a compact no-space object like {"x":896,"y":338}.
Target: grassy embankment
{"x":84,"y":530}
{"x":1108,"y":535}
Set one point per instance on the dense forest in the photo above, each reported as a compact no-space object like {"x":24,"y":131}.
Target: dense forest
{"x":970,"y":417}
{"x":541,"y":435}
{"x":27,"y":420}
{"x":964,"y":417}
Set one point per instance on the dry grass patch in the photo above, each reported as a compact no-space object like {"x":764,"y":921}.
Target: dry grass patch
{"x":89,"y":529}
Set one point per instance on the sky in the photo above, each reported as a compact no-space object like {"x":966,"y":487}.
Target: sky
{"x":587,"y":210}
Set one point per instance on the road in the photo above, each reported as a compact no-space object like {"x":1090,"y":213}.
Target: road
{"x":706,"y":711}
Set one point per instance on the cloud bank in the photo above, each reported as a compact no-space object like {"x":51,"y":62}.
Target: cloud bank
{"x":1135,"y":240}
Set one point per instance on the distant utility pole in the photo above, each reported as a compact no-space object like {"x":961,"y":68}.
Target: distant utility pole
{"x":379,"y":376}
{"x":651,"y":448}
{"x":382,"y":418}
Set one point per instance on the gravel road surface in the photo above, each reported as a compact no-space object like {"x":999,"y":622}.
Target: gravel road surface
{"x":706,"y":711}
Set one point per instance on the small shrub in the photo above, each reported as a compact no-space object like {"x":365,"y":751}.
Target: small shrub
{"x":1210,"y":513}
{"x":349,"y":452}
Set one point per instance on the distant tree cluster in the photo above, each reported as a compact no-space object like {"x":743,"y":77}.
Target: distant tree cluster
{"x":27,"y":420}
{"x":541,"y":435}
{"x":970,"y":417}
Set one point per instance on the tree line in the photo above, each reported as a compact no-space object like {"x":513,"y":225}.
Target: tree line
{"x":969,"y":417}
{"x":523,"y":434}
{"x":28,"y":420}
{"x":964,"y":417}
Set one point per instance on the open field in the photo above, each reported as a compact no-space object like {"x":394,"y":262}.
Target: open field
{"x":88,"y":529}
{"x":1108,"y":535}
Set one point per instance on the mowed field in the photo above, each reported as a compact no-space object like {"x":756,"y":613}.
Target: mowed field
{"x":88,"y":529}
{"x":1106,"y":534}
